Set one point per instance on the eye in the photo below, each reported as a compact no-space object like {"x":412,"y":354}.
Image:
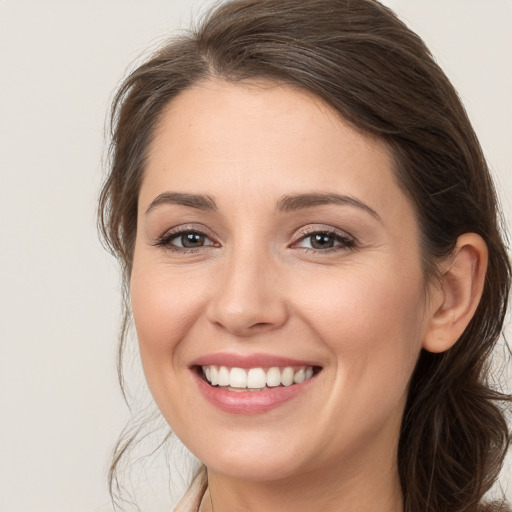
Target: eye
{"x":185,"y":240}
{"x":190,"y":240}
{"x":324,"y":241}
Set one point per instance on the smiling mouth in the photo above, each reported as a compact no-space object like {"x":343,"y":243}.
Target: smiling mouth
{"x":255,"y":379}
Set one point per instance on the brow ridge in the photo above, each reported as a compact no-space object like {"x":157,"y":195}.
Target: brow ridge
{"x":301,"y":201}
{"x":286,"y":203}
{"x":199,"y":201}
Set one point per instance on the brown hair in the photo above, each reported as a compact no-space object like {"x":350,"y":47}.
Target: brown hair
{"x":366,"y":64}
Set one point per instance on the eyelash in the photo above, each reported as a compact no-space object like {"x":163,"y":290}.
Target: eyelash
{"x":166,"y":239}
{"x":344,"y":241}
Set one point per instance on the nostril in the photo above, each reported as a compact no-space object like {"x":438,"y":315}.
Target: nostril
{"x":260,"y":325}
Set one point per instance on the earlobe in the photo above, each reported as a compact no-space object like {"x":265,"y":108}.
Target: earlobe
{"x":458,"y":294}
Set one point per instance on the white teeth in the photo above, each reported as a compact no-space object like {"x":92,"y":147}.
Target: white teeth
{"x":256,"y":378}
{"x":214,"y":375}
{"x":287,"y":376}
{"x":299,"y":376}
{"x":237,"y":378}
{"x":223,"y":376}
{"x":273,"y":377}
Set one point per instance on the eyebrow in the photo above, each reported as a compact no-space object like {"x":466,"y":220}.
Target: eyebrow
{"x":199,"y":201}
{"x":300,"y":201}
{"x":286,"y":203}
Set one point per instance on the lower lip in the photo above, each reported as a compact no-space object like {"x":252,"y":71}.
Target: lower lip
{"x":250,"y":402}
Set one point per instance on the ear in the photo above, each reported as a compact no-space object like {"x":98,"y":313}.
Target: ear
{"x":455,"y":299}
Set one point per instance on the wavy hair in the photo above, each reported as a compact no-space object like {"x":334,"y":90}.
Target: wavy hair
{"x":367,"y":65}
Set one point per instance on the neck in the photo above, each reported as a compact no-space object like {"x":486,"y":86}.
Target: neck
{"x":331,"y":489}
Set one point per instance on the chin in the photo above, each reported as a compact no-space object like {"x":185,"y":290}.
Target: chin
{"x":258,"y":468}
{"x":253,"y":457}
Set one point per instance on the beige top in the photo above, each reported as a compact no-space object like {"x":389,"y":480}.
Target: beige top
{"x":197,"y":497}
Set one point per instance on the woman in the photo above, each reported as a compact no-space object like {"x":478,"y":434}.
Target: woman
{"x":310,"y":243}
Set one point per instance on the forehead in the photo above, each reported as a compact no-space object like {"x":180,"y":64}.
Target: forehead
{"x":261,"y":137}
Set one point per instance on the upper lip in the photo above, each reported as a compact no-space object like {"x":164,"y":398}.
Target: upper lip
{"x":248,"y":360}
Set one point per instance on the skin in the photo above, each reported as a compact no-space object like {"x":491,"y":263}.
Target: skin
{"x":360,"y":310}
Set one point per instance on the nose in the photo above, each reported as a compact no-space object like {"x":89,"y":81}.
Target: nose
{"x":250,"y":296}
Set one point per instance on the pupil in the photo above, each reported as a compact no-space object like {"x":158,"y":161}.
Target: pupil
{"x":321,"y":241}
{"x":191,"y":240}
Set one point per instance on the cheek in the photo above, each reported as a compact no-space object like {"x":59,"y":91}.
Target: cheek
{"x":164,"y":303}
{"x":372,"y":322}
{"x":165,"y":307}
{"x":164,"y":311}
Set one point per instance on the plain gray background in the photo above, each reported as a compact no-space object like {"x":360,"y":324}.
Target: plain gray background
{"x":60,"y":408}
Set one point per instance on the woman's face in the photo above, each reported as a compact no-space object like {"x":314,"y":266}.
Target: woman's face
{"x":274,"y":246}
